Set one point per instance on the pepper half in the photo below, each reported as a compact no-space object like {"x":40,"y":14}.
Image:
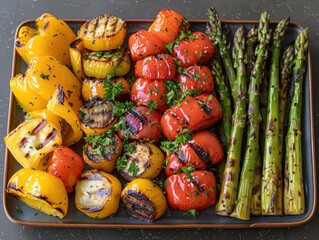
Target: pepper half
{"x":51,"y":37}
{"x":32,"y":140}
{"x":34,"y":88}
{"x":97,"y":194}
{"x":39,"y":190}
{"x":60,"y":105}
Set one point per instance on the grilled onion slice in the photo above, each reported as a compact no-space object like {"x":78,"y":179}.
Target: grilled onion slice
{"x":145,"y":160}
{"x":97,"y":194}
{"x":144,"y":200}
{"x":103,"y":33}
{"x":102,"y":151}
{"x":102,"y":64}
{"x":97,"y":117}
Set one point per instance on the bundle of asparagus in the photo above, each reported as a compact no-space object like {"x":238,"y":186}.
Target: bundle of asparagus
{"x":244,"y":190}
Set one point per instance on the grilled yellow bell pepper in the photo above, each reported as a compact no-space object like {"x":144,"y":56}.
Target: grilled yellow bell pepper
{"x":34,"y":88}
{"x":39,"y":190}
{"x":76,"y":49}
{"x":60,"y":105}
{"x":51,"y":37}
{"x":46,"y":114}
{"x":97,"y":194}
{"x":144,"y":200}
{"x":32,"y":140}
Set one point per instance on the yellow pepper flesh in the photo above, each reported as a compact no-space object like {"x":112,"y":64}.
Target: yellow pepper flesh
{"x":32,"y":140}
{"x":34,"y":88}
{"x":60,"y":105}
{"x":51,"y":38}
{"x":39,"y":190}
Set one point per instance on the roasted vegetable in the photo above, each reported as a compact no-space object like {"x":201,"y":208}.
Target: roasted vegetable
{"x":216,"y":35}
{"x":202,"y":151}
{"x":150,"y":93}
{"x":272,"y":184}
{"x":102,"y":151}
{"x":34,"y":88}
{"x":144,"y":43}
{"x":191,"y":190}
{"x":97,"y":117}
{"x":168,"y":25}
{"x":141,"y":124}
{"x":224,"y":98}
{"x":192,"y":114}
{"x":294,"y":193}
{"x":143,"y":160}
{"x":195,"y":49}
{"x":66,"y":165}
{"x":229,"y":185}
{"x":39,"y":190}
{"x":196,"y":78}
{"x":51,"y":37}
{"x":103,"y":33}
{"x":32,"y":140}
{"x":94,"y":89}
{"x":97,"y":194}
{"x":108,"y":63}
{"x":144,"y":200}
{"x":159,"y":66}
{"x":76,"y":50}
{"x":60,"y":105}
{"x":252,"y":153}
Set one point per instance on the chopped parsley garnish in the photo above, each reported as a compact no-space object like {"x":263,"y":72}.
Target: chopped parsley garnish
{"x":133,"y":169}
{"x":174,"y":96}
{"x":99,"y":143}
{"x":120,"y":108}
{"x":112,"y":89}
{"x":196,"y":76}
{"x":158,"y":182}
{"x":121,"y":163}
{"x":170,"y":146}
{"x":152,"y":105}
{"x":43,"y":76}
{"x":192,"y":212}
{"x":184,"y":34}
{"x":18,"y":209}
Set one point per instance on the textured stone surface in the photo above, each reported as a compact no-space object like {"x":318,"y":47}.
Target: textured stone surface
{"x":13,"y":12}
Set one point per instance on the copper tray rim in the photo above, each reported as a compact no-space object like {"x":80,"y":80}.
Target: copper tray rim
{"x":178,"y":225}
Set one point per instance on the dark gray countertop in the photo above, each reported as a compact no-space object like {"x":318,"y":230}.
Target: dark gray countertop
{"x":13,"y":12}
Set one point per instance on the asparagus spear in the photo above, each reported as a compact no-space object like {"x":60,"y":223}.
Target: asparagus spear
{"x":251,"y":42}
{"x":271,"y":193}
{"x":214,"y":31}
{"x":294,"y":202}
{"x":285,"y":80}
{"x":231,"y":172}
{"x":263,"y":100}
{"x":223,"y":92}
{"x":242,"y":207}
{"x":255,"y":206}
{"x":286,"y":65}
